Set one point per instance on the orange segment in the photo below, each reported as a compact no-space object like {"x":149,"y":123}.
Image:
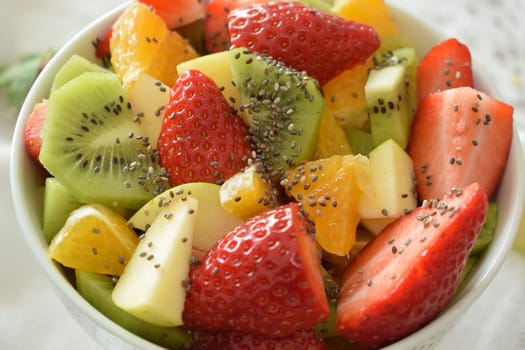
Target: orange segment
{"x":94,"y":239}
{"x":247,"y":193}
{"x":375,"y":13}
{"x":141,"y":42}
{"x":345,"y":97}
{"x":332,"y":138}
{"x":329,"y":190}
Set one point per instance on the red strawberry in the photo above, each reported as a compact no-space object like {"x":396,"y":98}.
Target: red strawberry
{"x":300,"y":340}
{"x":305,"y":38}
{"x":177,"y":13}
{"x":102,"y":45}
{"x":262,"y":278}
{"x":33,"y":129}
{"x":217,"y":37}
{"x":406,"y":276}
{"x":446,"y":65}
{"x":459,"y":136}
{"x":201,"y":138}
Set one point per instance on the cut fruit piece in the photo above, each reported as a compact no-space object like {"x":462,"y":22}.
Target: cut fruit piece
{"x":360,"y":141}
{"x":345,"y":97}
{"x":96,"y":289}
{"x":263,"y":277}
{"x":148,"y":97}
{"x":332,"y":138}
{"x":247,"y":193}
{"x":153,"y":285}
{"x":460,"y":136}
{"x":393,"y":189}
{"x":330,"y":190}
{"x":217,"y":67}
{"x":277,"y":98}
{"x":487,"y":231}
{"x":202,"y":139}
{"x":91,"y":141}
{"x":73,"y":67}
{"x":446,"y":65}
{"x":407,"y":57}
{"x":210,"y":211}
{"x":406,"y":276}
{"x":309,"y":40}
{"x":375,"y":13}
{"x":177,"y":13}
{"x":58,"y":205}
{"x":387,"y":100}
{"x":141,"y":42}
{"x":94,"y":239}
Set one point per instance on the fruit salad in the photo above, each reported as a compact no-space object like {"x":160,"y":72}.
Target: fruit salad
{"x":268,"y":174}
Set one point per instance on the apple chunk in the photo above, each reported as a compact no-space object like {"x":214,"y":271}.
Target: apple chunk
{"x":153,"y":284}
{"x":391,"y":177}
{"x":213,"y":221}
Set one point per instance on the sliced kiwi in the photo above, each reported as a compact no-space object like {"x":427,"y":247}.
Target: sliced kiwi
{"x":73,"y":67}
{"x":282,"y":106}
{"x":407,"y":57}
{"x":97,"y":289}
{"x":92,"y":144}
{"x":487,"y":231}
{"x":58,"y":204}
{"x":391,"y":96}
{"x":360,"y":141}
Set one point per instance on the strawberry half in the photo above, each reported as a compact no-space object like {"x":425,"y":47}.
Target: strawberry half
{"x":262,"y":278}
{"x":201,"y":138}
{"x":177,"y":13}
{"x":406,"y":276}
{"x":300,"y":340}
{"x":446,"y":65}
{"x":305,"y":38}
{"x":217,"y":37}
{"x":459,"y":136}
{"x":33,"y":129}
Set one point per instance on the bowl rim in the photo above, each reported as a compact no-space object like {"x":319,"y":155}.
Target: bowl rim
{"x":480,"y":278}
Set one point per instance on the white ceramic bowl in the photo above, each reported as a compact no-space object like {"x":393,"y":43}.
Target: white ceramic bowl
{"x":27,"y":185}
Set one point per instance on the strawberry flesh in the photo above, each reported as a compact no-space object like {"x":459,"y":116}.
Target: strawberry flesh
{"x":177,"y":13}
{"x":102,"y":49}
{"x":446,"y":65}
{"x":217,"y":37}
{"x":407,"y":275}
{"x":262,"y":278}
{"x":33,"y":130}
{"x":307,"y":39}
{"x":459,"y":136}
{"x":201,"y":138}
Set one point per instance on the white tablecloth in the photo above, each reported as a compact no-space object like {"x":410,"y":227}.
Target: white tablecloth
{"x":32,"y":317}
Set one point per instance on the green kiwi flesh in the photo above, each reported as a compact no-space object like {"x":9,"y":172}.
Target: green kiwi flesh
{"x":73,"y":67}
{"x":97,"y":289}
{"x":390,"y":94}
{"x":487,"y":230}
{"x":282,"y":106}
{"x":92,"y":144}
{"x":58,"y":204}
{"x":360,"y":141}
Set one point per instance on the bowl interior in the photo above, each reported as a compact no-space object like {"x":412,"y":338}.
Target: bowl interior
{"x":27,"y":194}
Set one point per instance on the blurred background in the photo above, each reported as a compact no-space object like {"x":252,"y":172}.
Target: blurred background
{"x":31,"y":316}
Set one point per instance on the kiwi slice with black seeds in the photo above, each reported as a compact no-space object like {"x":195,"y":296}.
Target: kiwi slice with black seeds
{"x":97,"y":289}
{"x":93,"y":145}
{"x":282,"y":106}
